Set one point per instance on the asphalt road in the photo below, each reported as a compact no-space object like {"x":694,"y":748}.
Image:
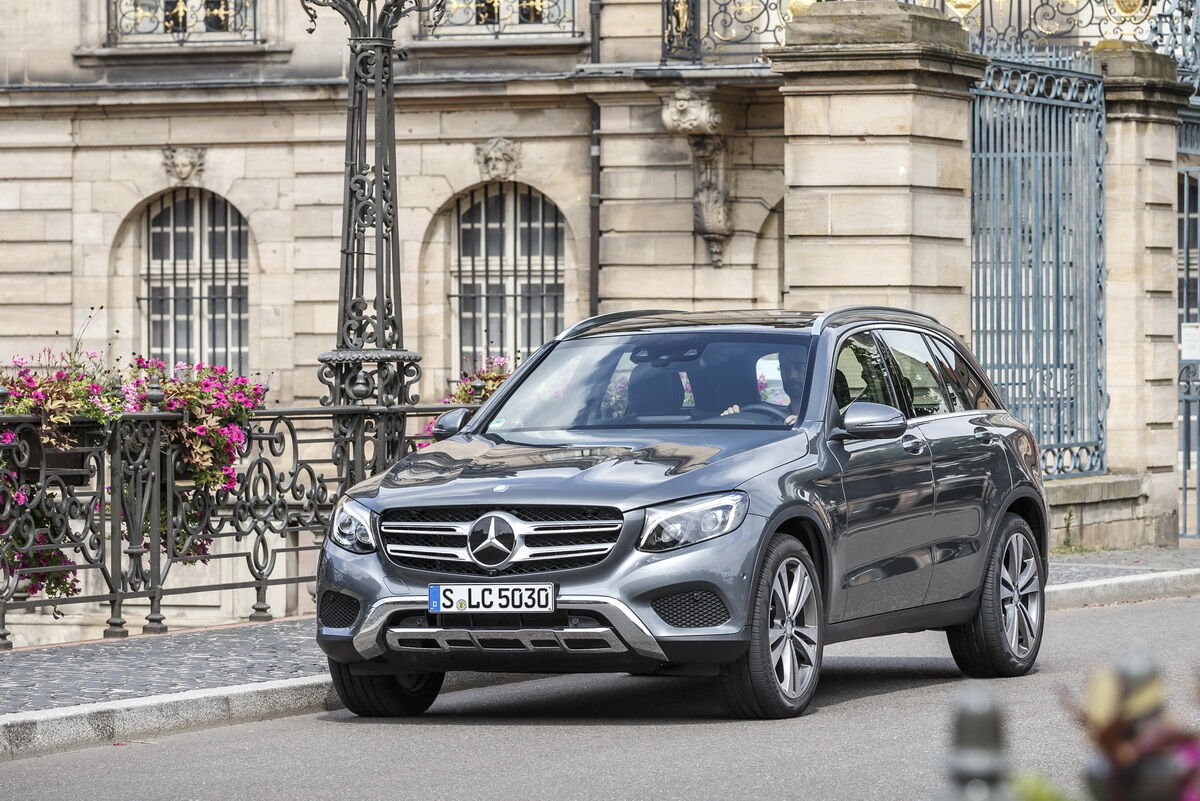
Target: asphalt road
{"x":879,"y":728}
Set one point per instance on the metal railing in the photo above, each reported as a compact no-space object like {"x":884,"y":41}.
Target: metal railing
{"x":500,"y":18}
{"x":117,"y":515}
{"x":158,"y":22}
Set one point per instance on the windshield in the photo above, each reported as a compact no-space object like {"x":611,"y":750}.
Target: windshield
{"x":662,"y":380}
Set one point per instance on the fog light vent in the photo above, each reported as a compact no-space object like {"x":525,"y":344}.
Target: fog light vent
{"x":691,"y":610}
{"x":338,"y":610}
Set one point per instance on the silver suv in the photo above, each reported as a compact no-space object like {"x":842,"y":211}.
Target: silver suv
{"x":709,"y":493}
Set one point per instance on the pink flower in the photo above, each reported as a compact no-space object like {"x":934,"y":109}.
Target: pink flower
{"x":7,"y":437}
{"x":61,"y":375}
{"x":95,"y":389}
{"x":202,"y":430}
{"x":91,"y":354}
{"x":19,"y":361}
{"x":20,"y":497}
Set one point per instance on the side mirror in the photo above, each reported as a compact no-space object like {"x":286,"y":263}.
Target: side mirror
{"x":450,"y":423}
{"x":865,"y":420}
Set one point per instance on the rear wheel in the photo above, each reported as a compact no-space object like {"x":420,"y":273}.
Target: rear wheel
{"x":777,"y":676}
{"x":383,"y":696}
{"x":1005,"y":635}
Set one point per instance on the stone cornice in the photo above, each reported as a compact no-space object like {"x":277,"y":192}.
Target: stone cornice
{"x":795,"y":61}
{"x":1145,"y":99}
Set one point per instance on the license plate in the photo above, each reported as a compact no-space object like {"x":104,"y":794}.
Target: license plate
{"x":491,"y":597}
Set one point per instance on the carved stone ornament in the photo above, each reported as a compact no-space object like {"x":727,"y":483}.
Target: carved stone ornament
{"x":184,"y":165}
{"x":694,"y":115}
{"x":687,"y":112}
{"x":710,"y":201}
{"x":498,"y":159}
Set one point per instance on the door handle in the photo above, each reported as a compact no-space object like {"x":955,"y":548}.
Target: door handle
{"x":912,"y":444}
{"x":984,"y":435}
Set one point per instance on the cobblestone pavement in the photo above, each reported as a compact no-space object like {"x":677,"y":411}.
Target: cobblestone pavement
{"x":66,"y":675}
{"x":1070,"y":567}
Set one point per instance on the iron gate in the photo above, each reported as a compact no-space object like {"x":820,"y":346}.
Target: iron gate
{"x":1037,"y":293}
{"x":1188,"y":209}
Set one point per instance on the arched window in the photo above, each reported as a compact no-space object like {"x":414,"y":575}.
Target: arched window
{"x":508,"y":255}
{"x":195,"y":303}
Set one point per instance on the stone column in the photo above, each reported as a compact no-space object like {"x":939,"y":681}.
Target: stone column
{"x":877,"y":159}
{"x":1142,"y":98}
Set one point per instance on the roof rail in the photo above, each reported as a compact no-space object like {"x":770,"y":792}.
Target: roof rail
{"x":833,"y":314}
{"x":611,"y":317}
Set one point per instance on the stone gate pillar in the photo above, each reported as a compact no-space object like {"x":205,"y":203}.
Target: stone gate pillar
{"x":1142,"y":98}
{"x":878,"y":158}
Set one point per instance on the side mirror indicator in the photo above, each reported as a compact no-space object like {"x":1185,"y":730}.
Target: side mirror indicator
{"x":450,"y":423}
{"x":866,"y":420}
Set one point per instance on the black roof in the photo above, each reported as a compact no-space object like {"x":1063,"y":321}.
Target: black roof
{"x":629,"y":322}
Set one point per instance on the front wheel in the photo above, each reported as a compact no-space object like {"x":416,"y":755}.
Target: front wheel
{"x":777,"y":676}
{"x":384,"y":696}
{"x":1004,"y":637}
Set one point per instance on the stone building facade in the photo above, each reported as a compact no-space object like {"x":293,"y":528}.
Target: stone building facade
{"x":180,"y":164}
{"x":99,"y":137}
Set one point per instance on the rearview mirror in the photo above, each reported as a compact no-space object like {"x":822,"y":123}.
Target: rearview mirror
{"x":450,"y":423}
{"x":866,"y":420}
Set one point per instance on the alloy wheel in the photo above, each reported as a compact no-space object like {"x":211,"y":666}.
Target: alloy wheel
{"x":794,"y":633}
{"x":1020,"y":595}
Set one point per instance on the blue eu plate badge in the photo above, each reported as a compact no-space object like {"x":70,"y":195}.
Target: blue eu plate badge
{"x":435,"y":597}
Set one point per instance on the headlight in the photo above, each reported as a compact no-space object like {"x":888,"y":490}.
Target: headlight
{"x":675,"y":525}
{"x":352,"y":527}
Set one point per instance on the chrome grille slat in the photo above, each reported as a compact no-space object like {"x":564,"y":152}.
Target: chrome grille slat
{"x":439,"y":538}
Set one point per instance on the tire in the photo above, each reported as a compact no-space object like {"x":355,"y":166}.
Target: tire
{"x":383,"y":696}
{"x":986,"y":647}
{"x":754,"y":685}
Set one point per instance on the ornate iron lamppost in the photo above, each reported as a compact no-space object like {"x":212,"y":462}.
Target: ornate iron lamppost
{"x":370,"y":363}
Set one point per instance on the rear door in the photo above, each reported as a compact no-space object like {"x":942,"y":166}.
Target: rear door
{"x":888,"y":485}
{"x":981,"y":428}
{"x":970,"y":469}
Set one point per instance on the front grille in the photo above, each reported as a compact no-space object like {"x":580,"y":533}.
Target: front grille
{"x":546,"y":538}
{"x":469,"y":514}
{"x":338,"y":610}
{"x":691,"y":610}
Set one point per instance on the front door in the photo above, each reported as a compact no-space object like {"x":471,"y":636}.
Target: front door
{"x":888,"y":486}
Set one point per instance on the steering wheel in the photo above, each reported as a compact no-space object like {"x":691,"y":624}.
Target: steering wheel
{"x":780,"y":413}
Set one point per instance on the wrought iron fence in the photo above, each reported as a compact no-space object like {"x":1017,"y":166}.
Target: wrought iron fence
{"x":150,"y":22}
{"x":497,"y":18}
{"x":1037,"y":280}
{"x":116,"y":514}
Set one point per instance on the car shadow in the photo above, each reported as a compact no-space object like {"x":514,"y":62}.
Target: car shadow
{"x":638,"y":700}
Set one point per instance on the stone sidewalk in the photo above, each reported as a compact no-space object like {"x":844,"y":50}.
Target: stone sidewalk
{"x":140,"y":666}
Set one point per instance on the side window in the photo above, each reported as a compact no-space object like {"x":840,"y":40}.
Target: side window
{"x":961,"y":377}
{"x":859,"y":373}
{"x":960,"y":398}
{"x":917,"y":374}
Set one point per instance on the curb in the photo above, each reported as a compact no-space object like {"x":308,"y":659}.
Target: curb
{"x":1123,"y":589}
{"x":25,"y":734}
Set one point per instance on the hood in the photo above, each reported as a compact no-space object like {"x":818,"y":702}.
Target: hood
{"x":609,"y":468}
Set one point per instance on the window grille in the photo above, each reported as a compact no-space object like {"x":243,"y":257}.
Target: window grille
{"x":149,"y":22}
{"x":508,"y":265}
{"x":196,"y":302}
{"x":495,"y":18}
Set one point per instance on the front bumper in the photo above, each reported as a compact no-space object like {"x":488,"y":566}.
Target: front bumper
{"x":610,"y":622}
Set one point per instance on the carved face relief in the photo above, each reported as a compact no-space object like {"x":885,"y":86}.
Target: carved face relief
{"x":688,"y":112}
{"x":498,"y":159}
{"x":183,"y":164}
